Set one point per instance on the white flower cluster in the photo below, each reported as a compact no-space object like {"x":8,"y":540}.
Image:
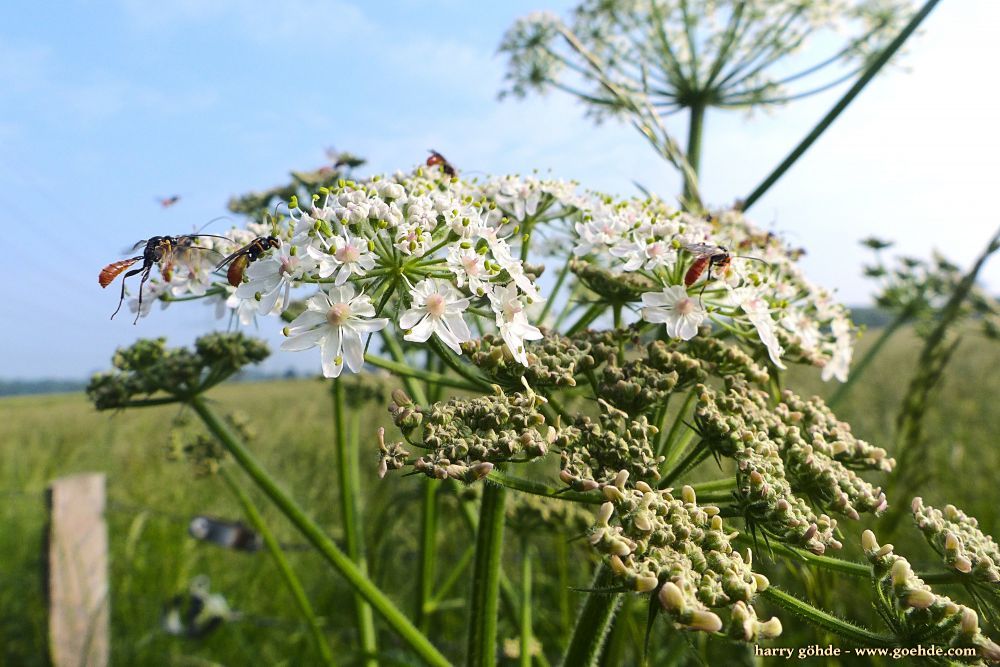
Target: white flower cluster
{"x":432,"y":253}
{"x":719,"y":268}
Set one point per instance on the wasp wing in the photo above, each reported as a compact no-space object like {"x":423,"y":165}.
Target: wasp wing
{"x":701,"y":248}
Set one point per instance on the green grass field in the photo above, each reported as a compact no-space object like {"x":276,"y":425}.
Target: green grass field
{"x":151,"y":499}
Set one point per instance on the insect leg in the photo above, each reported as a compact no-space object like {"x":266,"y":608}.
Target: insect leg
{"x":122,"y":297}
{"x":145,"y":277}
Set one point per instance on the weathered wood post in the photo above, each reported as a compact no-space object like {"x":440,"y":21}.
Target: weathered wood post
{"x":78,"y":572}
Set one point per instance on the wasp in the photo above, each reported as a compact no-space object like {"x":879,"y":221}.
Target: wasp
{"x":709,"y":257}
{"x":239,"y":260}
{"x":167,"y":202}
{"x":156,"y":250}
{"x":437,"y":158}
{"x":234,"y":535}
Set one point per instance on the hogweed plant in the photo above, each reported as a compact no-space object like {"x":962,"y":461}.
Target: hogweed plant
{"x":588,"y":402}
{"x":644,"y":60}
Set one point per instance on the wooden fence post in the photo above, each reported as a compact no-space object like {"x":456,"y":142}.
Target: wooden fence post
{"x":78,"y":572}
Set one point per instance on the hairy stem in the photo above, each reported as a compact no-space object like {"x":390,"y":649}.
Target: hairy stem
{"x":593,"y":622}
{"x":486,"y":578}
{"x":826,"y":620}
{"x":350,"y":500}
{"x":526,"y":633}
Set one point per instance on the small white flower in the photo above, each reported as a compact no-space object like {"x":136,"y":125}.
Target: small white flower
{"x":519,"y":197}
{"x":469,"y":266}
{"x":349,"y":256}
{"x":512,"y":321}
{"x":673,"y":307}
{"x":437,"y":308}
{"x":267,"y":276}
{"x":335,"y":321}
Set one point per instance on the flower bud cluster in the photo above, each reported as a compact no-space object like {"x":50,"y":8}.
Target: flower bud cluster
{"x":148,"y":367}
{"x":957,"y":538}
{"x":787,"y":454}
{"x":390,"y":457}
{"x":593,"y":452}
{"x":553,"y":361}
{"x":612,"y":286}
{"x":656,"y":541}
{"x":919,"y":611}
{"x":466,"y":437}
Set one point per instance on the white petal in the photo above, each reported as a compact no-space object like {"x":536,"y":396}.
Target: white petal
{"x":458,"y":327}
{"x":354,"y":353}
{"x":331,"y":353}
{"x":421,"y":332}
{"x":411,"y":317}
{"x":305,"y":340}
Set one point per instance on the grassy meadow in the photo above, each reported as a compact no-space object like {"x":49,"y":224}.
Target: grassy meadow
{"x":151,"y":499}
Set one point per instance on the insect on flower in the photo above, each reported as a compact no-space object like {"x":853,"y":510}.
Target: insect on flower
{"x":156,"y":250}
{"x":437,"y":158}
{"x":708,"y":257}
{"x":239,"y":260}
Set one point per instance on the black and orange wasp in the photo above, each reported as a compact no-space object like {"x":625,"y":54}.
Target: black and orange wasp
{"x":239,"y":260}
{"x":158,"y":250}
{"x":167,"y":202}
{"x":437,"y":158}
{"x":708,"y":256}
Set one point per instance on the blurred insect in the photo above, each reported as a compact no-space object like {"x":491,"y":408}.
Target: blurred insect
{"x":167,"y":202}
{"x":156,"y":250}
{"x":240,"y":260}
{"x":709,"y":257}
{"x":437,"y":158}
{"x":234,"y":535}
{"x":198,"y":612}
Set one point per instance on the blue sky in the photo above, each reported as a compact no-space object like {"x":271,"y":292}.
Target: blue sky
{"x":105,"y":106}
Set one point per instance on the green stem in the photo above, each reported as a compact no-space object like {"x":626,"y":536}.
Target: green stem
{"x":486,"y":578}
{"x":415,"y":390}
{"x":870,"y":354}
{"x":695,"y":130}
{"x":724,"y":484}
{"x":284,"y":567}
{"x":555,"y":290}
{"x":591,"y":314}
{"x":669,"y":438}
{"x":826,"y":620}
{"x":842,"y":104}
{"x":309,"y":529}
{"x":404,"y":371}
{"x":593,"y":622}
{"x":526,"y":633}
{"x":428,"y":551}
{"x":697,"y":454}
{"x":540,"y":489}
{"x":350,"y":501}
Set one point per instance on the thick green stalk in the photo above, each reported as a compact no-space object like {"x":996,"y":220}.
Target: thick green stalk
{"x":485,"y":597}
{"x":593,"y":622}
{"x":428,"y":552}
{"x":284,"y":567}
{"x":826,"y":620}
{"x":842,"y":104}
{"x":866,"y":360}
{"x":310,"y":530}
{"x":555,"y":290}
{"x":698,"y":453}
{"x":696,"y":128}
{"x":350,"y":501}
{"x":526,"y":633}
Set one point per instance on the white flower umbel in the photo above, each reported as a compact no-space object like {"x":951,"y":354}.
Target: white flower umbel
{"x":347,"y":256}
{"x":436,"y":308}
{"x":673,"y":307}
{"x":512,"y":321}
{"x":335,"y":321}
